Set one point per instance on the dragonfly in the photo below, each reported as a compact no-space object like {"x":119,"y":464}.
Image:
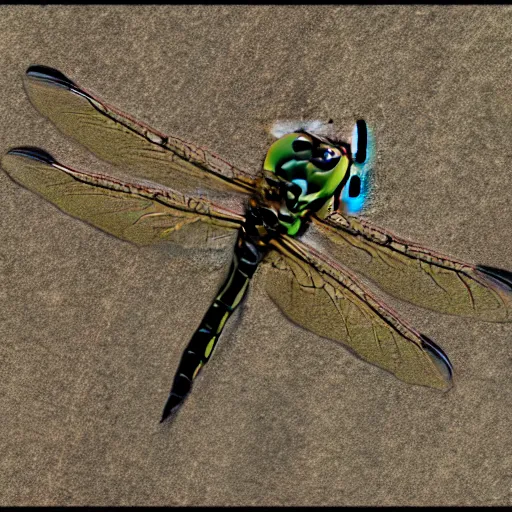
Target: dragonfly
{"x":296,"y":226}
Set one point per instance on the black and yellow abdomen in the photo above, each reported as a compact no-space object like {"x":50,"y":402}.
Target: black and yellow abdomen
{"x":250,"y":248}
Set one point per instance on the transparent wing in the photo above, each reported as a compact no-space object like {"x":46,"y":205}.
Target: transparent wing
{"x":327,"y":300}
{"x":131,"y":212}
{"x":283,"y":127}
{"x":416,"y":274}
{"x":117,"y":138}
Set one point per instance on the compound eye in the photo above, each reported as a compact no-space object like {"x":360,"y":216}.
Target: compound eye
{"x":327,"y":159}
{"x":329,"y":154}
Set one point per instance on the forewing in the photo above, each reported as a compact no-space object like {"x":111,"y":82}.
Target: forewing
{"x":415,"y":274}
{"x":325,"y":299}
{"x":131,"y":212}
{"x":117,"y":138}
{"x":283,"y":127}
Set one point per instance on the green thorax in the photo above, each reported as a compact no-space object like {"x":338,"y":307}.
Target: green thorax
{"x":309,"y":170}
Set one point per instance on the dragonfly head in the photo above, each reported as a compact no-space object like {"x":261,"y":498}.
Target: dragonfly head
{"x":310,"y":170}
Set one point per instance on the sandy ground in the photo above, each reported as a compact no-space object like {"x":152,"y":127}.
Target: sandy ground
{"x":92,"y":328}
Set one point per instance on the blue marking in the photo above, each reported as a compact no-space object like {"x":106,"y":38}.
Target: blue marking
{"x":354,"y":205}
{"x":353,"y":144}
{"x":303,"y":184}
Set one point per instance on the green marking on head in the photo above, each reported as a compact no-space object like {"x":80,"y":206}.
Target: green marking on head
{"x":312,"y":168}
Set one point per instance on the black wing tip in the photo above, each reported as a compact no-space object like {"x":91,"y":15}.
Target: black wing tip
{"x":48,"y":74}
{"x":503,"y":276}
{"x":32,"y":152}
{"x":439,"y":358}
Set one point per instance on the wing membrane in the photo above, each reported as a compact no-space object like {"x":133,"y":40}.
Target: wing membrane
{"x":327,"y":300}
{"x":416,"y":274}
{"x":117,"y":138}
{"x":131,"y":212}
